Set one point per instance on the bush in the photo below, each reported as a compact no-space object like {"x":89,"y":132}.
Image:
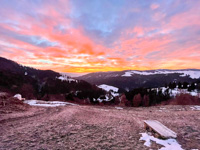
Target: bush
{"x":185,"y":99}
{"x":145,"y":101}
{"x":137,"y":100}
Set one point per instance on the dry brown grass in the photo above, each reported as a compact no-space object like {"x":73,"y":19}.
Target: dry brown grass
{"x":8,"y":104}
{"x":89,"y":127}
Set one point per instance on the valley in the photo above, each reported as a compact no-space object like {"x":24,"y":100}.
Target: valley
{"x":99,"y":75}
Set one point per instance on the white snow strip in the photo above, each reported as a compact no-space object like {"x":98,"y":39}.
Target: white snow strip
{"x":128,"y":74}
{"x":192,"y":73}
{"x":195,"y":107}
{"x":47,"y":103}
{"x":66,"y":78}
{"x":168,"y":144}
{"x":104,"y":110}
{"x":119,"y":108}
{"x":104,"y":99}
{"x":108,"y":88}
{"x":114,"y":94}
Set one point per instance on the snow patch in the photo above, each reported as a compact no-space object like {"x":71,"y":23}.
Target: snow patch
{"x":194,"y":74}
{"x":64,"y":77}
{"x":119,"y":108}
{"x":176,"y":91}
{"x":114,"y":94}
{"x":110,"y":88}
{"x":168,"y":144}
{"x":104,"y":99}
{"x":18,"y":96}
{"x":195,"y":107}
{"x":128,"y":74}
{"x":47,"y":103}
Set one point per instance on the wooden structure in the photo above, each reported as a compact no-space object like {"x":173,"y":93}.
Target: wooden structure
{"x":159,"y":129}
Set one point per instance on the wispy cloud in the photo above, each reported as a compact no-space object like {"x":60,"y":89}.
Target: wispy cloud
{"x":107,"y":35}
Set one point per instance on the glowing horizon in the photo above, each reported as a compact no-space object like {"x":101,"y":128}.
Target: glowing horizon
{"x":82,"y":36}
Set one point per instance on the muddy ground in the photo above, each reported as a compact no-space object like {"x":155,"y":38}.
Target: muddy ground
{"x":94,"y":127}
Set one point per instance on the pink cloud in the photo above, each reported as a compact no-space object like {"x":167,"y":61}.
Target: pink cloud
{"x":142,"y":44}
{"x":154,"y":6}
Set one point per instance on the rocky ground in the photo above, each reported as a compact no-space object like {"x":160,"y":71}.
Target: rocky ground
{"x":94,"y":127}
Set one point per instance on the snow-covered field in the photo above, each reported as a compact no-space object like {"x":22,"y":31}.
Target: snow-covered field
{"x":169,"y":144}
{"x":192,"y":73}
{"x":177,"y":91}
{"x":110,"y":88}
{"x":47,"y":103}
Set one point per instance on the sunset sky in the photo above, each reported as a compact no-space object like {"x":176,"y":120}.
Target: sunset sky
{"x":101,"y":35}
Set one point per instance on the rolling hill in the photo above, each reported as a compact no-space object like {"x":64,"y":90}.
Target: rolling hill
{"x":43,"y":84}
{"x":130,"y":79}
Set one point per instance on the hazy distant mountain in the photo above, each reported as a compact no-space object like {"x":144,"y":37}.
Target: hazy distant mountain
{"x":130,"y":79}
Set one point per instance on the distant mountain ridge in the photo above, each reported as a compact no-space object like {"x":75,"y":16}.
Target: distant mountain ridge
{"x":130,"y":79}
{"x":96,"y":88}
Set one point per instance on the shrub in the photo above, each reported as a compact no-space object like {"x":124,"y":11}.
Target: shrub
{"x":185,"y":99}
{"x":137,"y":100}
{"x":146,"y":101}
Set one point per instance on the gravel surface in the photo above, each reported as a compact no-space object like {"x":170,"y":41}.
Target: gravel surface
{"x":94,"y":127}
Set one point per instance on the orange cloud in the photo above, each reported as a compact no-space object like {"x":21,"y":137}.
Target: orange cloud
{"x":51,"y":38}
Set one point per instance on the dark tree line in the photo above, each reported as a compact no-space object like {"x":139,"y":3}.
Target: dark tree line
{"x":146,"y":96}
{"x":184,"y":85}
{"x":152,"y":96}
{"x":43,"y":88}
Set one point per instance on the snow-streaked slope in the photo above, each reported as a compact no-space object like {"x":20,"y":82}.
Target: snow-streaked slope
{"x":64,"y":77}
{"x":177,"y":91}
{"x":106,"y":99}
{"x":47,"y":103}
{"x":108,"y":88}
{"x":169,"y":144}
{"x":194,"y":74}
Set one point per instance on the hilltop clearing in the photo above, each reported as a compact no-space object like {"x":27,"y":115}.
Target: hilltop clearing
{"x":95,"y":127}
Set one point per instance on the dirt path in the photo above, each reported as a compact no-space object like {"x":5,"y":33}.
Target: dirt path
{"x":88,"y":127}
